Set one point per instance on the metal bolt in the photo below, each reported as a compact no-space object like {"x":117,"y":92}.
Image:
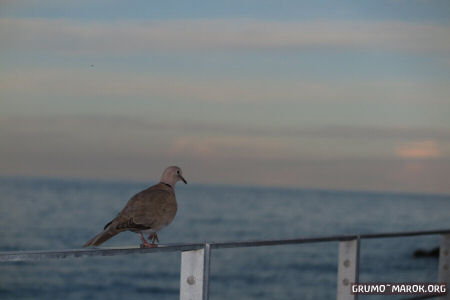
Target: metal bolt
{"x":191,"y":280}
{"x":345,"y":281}
{"x":346,"y":263}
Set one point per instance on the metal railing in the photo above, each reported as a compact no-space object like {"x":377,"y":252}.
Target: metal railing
{"x":195,"y":258}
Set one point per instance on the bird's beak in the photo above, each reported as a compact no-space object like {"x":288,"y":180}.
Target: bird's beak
{"x":184,"y":180}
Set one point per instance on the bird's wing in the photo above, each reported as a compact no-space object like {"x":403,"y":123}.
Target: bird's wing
{"x":145,"y":210}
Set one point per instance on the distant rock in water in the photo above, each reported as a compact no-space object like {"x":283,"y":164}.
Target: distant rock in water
{"x":424,"y":253}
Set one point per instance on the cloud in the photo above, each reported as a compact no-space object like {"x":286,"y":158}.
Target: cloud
{"x":101,"y":124}
{"x":233,"y":147}
{"x":130,"y":148}
{"x":121,"y":37}
{"x":59,"y":83}
{"x":419,"y":150}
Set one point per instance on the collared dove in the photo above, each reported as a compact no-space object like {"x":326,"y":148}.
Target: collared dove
{"x":147,"y":212}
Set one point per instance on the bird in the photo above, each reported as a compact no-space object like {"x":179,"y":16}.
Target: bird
{"x":147,"y":212}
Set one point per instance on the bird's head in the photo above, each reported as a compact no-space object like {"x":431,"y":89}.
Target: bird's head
{"x":172,"y":175}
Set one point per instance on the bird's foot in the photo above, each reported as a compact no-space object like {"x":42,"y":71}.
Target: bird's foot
{"x":148,"y":245}
{"x":153,"y":237}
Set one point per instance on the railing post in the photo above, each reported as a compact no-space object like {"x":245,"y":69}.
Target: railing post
{"x":444,"y":263}
{"x":206,"y":261}
{"x":348,"y":266}
{"x":194,"y":274}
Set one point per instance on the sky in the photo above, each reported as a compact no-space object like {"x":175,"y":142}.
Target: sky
{"x":350,"y":95}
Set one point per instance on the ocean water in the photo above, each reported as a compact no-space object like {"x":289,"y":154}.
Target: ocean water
{"x":40,"y":214}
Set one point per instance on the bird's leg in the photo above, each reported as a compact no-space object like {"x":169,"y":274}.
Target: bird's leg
{"x":145,"y":244}
{"x":153,"y":236}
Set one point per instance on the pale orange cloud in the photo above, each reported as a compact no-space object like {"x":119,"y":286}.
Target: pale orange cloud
{"x":419,"y":149}
{"x":229,"y":146}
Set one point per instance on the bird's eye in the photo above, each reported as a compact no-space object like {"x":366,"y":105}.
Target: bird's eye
{"x":178,"y":172}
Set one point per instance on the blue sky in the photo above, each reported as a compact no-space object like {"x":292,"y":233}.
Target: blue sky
{"x":405,"y":10}
{"x":315,"y":94}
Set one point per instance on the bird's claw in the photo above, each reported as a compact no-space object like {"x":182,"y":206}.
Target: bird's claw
{"x":148,"y":245}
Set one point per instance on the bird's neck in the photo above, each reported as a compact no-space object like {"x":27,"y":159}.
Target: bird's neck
{"x":167,"y":184}
{"x":168,"y":179}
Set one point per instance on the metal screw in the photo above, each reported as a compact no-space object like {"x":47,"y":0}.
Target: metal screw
{"x":346,"y":263}
{"x":191,"y":280}
{"x":345,"y":281}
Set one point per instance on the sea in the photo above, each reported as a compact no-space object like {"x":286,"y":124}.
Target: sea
{"x":51,"y":214}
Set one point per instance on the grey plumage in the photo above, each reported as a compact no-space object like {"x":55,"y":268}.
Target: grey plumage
{"x":146,"y":212}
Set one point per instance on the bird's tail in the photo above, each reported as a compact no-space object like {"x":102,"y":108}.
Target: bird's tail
{"x":101,"y":237}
